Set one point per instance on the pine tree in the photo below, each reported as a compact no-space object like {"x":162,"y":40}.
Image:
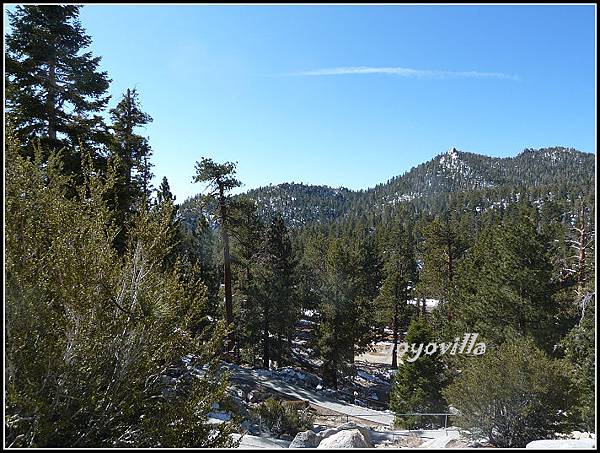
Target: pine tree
{"x":221,"y":179}
{"x":278,"y":245}
{"x":336,"y":326}
{"x":197,"y":250}
{"x":163,"y":193}
{"x":417,"y":385}
{"x":131,"y":154}
{"x":368,"y":275}
{"x":275,"y":285}
{"x":504,"y":287}
{"x":443,"y":246}
{"x":580,"y":350}
{"x":400,"y":275}
{"x":248,"y":232}
{"x":54,"y":90}
{"x":165,"y":203}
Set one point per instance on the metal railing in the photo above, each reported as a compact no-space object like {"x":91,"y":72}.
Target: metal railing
{"x":347,"y":418}
{"x":420,"y":414}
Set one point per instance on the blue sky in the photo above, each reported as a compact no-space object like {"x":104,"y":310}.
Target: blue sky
{"x":348,"y":95}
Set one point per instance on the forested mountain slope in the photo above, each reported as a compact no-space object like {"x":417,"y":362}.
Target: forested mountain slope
{"x":551,"y":173}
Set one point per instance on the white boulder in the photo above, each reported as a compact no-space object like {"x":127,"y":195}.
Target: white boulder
{"x":305,"y":439}
{"x":349,"y":438}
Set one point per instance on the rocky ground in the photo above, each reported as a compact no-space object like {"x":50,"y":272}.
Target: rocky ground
{"x":354,"y":416}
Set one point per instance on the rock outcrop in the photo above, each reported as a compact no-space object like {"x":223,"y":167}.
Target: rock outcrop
{"x":311,"y":439}
{"x":348,"y":438}
{"x":305,"y":439}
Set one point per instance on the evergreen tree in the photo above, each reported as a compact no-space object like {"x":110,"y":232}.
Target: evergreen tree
{"x":579,"y":347}
{"x":400,"y":275}
{"x":417,"y":385}
{"x":54,"y":90}
{"x":443,"y":246}
{"x":248,"y":231}
{"x":336,"y":320}
{"x":163,"y":193}
{"x":130,"y":153}
{"x":221,"y":179}
{"x":368,"y":280}
{"x":165,"y":203}
{"x":276,"y":293}
{"x":197,"y":250}
{"x":504,"y":287}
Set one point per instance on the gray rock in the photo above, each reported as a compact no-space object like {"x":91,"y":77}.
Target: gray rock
{"x":346,"y":426}
{"x":326,"y":433}
{"x":348,"y":438}
{"x":305,"y":439}
{"x":457,"y":443}
{"x":257,"y":395}
{"x":366,"y":432}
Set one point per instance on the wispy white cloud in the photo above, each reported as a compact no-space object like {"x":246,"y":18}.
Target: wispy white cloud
{"x":405,"y":72}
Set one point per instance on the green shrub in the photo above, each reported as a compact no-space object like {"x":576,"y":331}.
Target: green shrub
{"x":512,"y":395}
{"x":90,"y":335}
{"x":282,"y":418}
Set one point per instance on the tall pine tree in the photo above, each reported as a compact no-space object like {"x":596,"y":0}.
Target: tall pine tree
{"x":55,"y":91}
{"x":400,"y":275}
{"x":221,"y":179}
{"x":276,"y":290}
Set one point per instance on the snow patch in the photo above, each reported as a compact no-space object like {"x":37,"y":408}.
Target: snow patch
{"x":562,"y":444}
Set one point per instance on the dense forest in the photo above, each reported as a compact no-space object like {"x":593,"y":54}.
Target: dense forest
{"x":112,"y":286}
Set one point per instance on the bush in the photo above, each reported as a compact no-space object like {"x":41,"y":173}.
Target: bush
{"x":91,"y":335}
{"x":283,"y":418}
{"x":512,"y":395}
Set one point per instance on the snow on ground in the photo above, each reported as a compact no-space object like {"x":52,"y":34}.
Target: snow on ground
{"x":381,"y":352}
{"x":562,"y":444}
{"x":430,"y":304}
{"x":270,"y":380}
{"x":217,"y":417}
{"x":309,"y":313}
{"x":369,"y":377}
{"x":249,"y":441}
{"x":433,"y":438}
{"x":440,"y":438}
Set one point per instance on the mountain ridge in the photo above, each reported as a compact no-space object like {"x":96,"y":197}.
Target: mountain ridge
{"x":525,"y":151}
{"x":429,"y":184}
